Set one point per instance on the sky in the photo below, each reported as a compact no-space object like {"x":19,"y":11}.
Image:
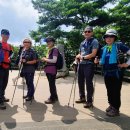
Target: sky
{"x":19,"y":17}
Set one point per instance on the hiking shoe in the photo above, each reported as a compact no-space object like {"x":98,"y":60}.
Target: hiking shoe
{"x":81,"y":100}
{"x":50,"y":101}
{"x":2,"y":106}
{"x":109,"y":108}
{"x":5,"y":99}
{"x":88,"y":105}
{"x":113,"y":112}
{"x":29,"y":98}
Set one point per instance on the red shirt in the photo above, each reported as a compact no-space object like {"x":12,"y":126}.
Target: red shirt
{"x":6,"y":49}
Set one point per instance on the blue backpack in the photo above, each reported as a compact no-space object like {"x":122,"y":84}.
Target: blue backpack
{"x":1,"y":54}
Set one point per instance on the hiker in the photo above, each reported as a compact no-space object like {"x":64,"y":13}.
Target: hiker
{"x":113,"y":68}
{"x":50,"y":69}
{"x":29,"y":59}
{"x":88,"y":51}
{"x":18,"y":63}
{"x":5,"y":55}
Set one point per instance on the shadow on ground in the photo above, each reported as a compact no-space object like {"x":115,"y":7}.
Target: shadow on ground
{"x":122,"y":121}
{"x":8,"y":120}
{"x":68,"y":113}
{"x":37,"y":110}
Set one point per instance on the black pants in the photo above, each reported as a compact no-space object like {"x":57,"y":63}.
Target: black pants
{"x":86,"y":73}
{"x":4,"y":74}
{"x":113,"y":86}
{"x":29,"y":77}
{"x":51,"y":79}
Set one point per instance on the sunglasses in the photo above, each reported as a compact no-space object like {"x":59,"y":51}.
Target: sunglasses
{"x":87,"y":31}
{"x":26,"y":42}
{"x":109,"y":36}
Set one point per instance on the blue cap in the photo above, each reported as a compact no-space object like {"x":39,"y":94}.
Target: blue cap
{"x":5,"y":32}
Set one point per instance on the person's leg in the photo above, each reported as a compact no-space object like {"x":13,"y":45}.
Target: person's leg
{"x":113,"y":87}
{"x":29,"y":81}
{"x":2,"y":106}
{"x":51,"y":79}
{"x":108,"y":83}
{"x":89,"y":73}
{"x":81,"y":81}
{"x":6,"y":76}
{"x":53,"y":92}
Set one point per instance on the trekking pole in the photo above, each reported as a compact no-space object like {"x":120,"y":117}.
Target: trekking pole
{"x":74,"y":88}
{"x":71,"y":91}
{"x":20,"y":68}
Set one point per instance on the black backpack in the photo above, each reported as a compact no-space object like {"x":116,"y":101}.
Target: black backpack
{"x":60,"y":62}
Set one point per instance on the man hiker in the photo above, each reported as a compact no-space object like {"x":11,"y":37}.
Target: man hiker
{"x":5,"y":53}
{"x":88,"y":50}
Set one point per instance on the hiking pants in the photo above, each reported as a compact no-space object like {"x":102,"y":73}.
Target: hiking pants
{"x":85,"y":74}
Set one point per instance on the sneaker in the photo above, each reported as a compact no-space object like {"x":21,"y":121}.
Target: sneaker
{"x":50,"y":101}
{"x":29,"y":98}
{"x":88,"y":105}
{"x":2,"y":106}
{"x":113,"y":112}
{"x":81,"y":100}
{"x":5,"y":99}
{"x":109,"y":108}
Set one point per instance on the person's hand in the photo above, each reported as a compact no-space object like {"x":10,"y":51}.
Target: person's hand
{"x":44,"y":59}
{"x":124,"y":65}
{"x":23,"y":60}
{"x":96,"y":60}
{"x":79,"y":57}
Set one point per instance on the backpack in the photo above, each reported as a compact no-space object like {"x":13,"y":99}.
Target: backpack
{"x":60,"y":62}
{"x":1,"y":54}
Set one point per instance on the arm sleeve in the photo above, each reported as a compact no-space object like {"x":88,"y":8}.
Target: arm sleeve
{"x":95,"y":44}
{"x":53,"y":60}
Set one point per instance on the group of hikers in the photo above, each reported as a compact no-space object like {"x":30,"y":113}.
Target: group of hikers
{"x":110,"y":57}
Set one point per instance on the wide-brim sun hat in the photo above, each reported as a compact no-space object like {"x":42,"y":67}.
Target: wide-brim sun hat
{"x":111,"y":32}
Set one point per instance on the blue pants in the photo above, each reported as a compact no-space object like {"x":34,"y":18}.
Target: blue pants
{"x":86,"y":73}
{"x":29,"y":77}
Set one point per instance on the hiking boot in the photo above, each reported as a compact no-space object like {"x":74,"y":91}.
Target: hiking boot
{"x":113,"y":112}
{"x":81,"y":100}
{"x":29,"y":98}
{"x":5,"y":99}
{"x":2,"y":106}
{"x":109,"y":108}
{"x":50,"y":101}
{"x":88,"y":105}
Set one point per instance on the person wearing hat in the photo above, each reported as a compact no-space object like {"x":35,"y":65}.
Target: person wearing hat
{"x":29,"y":59}
{"x":50,"y":69}
{"x":88,"y":50}
{"x":113,"y":68}
{"x":6,"y":51}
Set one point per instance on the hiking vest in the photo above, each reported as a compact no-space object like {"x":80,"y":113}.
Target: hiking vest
{"x":7,"y":49}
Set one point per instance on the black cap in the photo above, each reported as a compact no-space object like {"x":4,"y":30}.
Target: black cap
{"x":88,"y":28}
{"x":49,"y":39}
{"x":5,"y":32}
